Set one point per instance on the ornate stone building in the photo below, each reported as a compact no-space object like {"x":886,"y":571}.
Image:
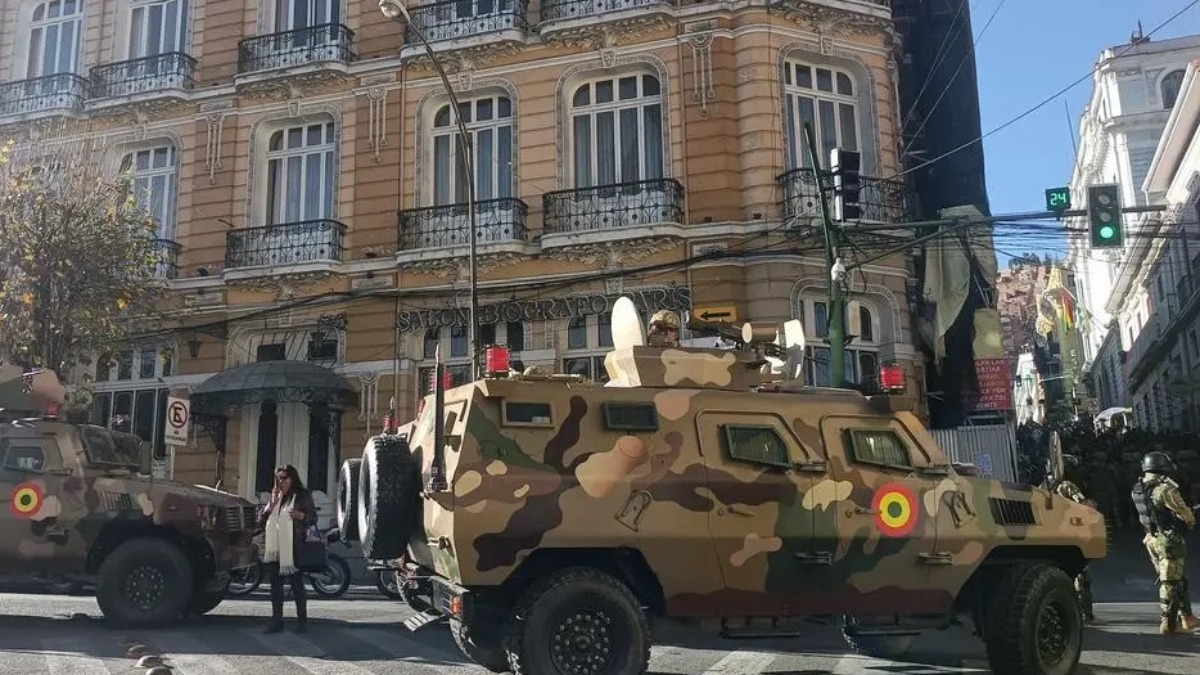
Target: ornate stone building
{"x":302,"y":158}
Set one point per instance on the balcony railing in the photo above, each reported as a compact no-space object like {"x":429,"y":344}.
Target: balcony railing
{"x":302,"y":47}
{"x":562,"y":10}
{"x":62,"y":91}
{"x":173,"y":70}
{"x":610,"y":207}
{"x":285,"y":244}
{"x":881,"y":200}
{"x":497,"y":221}
{"x":457,"y":19}
{"x":166,"y":256}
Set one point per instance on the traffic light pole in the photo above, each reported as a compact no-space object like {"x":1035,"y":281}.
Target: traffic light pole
{"x":836,"y":319}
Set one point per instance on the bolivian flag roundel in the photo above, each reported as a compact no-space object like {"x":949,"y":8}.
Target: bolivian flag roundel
{"x":896,"y":510}
{"x":26,"y":500}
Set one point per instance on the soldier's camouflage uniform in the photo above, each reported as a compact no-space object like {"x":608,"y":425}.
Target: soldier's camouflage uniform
{"x":1083,"y":582}
{"x":1168,"y":550}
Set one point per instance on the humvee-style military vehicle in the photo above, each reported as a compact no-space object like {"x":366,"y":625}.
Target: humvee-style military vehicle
{"x":83,"y":508}
{"x":550,"y":518}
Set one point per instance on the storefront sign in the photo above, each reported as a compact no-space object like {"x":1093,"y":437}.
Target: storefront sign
{"x":995,"y":384}
{"x":678,"y":298}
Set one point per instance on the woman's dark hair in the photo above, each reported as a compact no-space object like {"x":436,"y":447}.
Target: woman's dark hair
{"x":297,"y":485}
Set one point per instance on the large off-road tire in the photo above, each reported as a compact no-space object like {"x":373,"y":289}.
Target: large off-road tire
{"x":347,"y":500}
{"x":876,"y":645}
{"x":203,"y":603}
{"x":575,"y":616}
{"x":389,"y":500}
{"x":1034,"y":625}
{"x":145,"y":582}
{"x":488,"y":651}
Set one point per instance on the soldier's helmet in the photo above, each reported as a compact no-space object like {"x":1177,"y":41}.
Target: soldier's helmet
{"x":1071,"y":461}
{"x":665,"y":318}
{"x":1158,"y":462}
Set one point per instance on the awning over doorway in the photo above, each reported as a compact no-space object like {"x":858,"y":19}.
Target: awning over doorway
{"x":278,"y":381}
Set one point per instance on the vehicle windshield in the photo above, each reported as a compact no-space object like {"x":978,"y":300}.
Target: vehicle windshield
{"x":110,"y":448}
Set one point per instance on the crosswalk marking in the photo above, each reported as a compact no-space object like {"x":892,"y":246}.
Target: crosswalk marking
{"x":864,"y":665}
{"x":62,"y":658}
{"x":742,"y":663}
{"x":189,"y":655}
{"x":401,"y":645}
{"x":305,"y":654}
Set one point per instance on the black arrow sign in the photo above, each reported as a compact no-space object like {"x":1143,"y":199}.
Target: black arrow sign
{"x":709,"y":316}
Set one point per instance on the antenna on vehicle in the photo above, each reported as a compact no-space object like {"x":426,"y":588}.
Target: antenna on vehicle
{"x":627,"y":329}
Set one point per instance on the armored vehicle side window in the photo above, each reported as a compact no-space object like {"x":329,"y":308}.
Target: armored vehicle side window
{"x":880,"y":448}
{"x":527,"y":414}
{"x":755,"y":444}
{"x":630,"y":416}
{"x":23,"y":454}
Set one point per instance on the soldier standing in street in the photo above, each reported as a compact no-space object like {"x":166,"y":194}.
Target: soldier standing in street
{"x":1164,"y":515}
{"x":664,"y":329}
{"x":1083,"y":582}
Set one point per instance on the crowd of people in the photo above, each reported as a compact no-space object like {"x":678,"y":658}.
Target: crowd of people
{"x":1110,"y":463}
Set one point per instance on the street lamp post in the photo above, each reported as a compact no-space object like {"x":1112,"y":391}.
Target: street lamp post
{"x":398,"y":12}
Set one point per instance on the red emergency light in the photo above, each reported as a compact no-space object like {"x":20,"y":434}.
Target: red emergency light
{"x":891,"y":378}
{"x":50,"y":411}
{"x":495,"y":360}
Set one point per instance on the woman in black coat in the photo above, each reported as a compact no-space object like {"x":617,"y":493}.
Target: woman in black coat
{"x":285,"y":521}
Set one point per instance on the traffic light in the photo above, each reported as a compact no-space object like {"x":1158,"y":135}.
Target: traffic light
{"x":1104,"y":216}
{"x":844,"y":164}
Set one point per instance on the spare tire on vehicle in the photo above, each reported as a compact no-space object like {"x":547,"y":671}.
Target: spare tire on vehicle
{"x":347,"y":500}
{"x":389,"y":498}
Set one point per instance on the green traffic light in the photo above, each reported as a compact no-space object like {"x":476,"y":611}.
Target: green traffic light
{"x":1107,"y":232}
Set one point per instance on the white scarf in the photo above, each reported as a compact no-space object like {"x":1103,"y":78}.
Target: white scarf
{"x":279,"y":534}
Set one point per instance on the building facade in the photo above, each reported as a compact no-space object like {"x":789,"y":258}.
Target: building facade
{"x":1134,"y":90}
{"x":1158,"y":307}
{"x":304,"y":161}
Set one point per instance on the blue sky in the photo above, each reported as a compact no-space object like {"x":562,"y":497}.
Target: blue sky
{"x":1032,"y":49}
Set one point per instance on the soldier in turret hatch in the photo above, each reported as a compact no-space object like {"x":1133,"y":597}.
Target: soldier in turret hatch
{"x":664,"y":329}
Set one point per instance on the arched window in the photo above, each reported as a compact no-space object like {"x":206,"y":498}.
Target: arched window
{"x":300,"y":173}
{"x":1170,"y":86}
{"x":154,"y":173}
{"x":616,"y":130}
{"x":824,"y":97}
{"x":489,"y":123}
{"x":862,"y":353}
{"x":54,"y":38}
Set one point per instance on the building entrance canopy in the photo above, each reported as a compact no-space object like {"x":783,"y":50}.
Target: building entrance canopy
{"x":278,"y":381}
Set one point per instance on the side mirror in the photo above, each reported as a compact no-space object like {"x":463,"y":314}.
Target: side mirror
{"x":145,"y":458}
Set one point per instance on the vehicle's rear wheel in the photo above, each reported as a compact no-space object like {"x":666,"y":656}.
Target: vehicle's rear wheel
{"x":333,"y":582}
{"x":389,"y":505}
{"x":203,"y":603}
{"x":145,"y":582}
{"x":347,"y":500}
{"x":388,"y":583}
{"x":1034,"y":625}
{"x":578,"y":621}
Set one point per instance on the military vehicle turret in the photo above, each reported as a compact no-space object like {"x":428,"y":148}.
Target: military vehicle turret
{"x":83,"y":508}
{"x":550,"y":519}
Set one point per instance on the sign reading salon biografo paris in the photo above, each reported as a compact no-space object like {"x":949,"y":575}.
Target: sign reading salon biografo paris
{"x":678,"y":298}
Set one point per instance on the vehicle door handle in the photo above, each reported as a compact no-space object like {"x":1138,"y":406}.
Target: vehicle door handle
{"x":739,"y":510}
{"x":817,"y":558}
{"x":861,"y":511}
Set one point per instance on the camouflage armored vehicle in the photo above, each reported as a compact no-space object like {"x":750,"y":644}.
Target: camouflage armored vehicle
{"x":83,"y":508}
{"x":549,"y":519}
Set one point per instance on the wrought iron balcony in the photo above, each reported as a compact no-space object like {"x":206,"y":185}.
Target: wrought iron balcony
{"x":457,"y":19}
{"x":881,"y":200}
{"x":62,"y":91}
{"x":308,"y":241}
{"x":173,"y":70}
{"x":497,"y":221}
{"x":330,"y":42}
{"x":611,"y":207}
{"x":565,"y":10}
{"x":166,"y":254}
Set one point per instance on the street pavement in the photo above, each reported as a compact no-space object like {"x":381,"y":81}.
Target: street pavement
{"x":363,"y":634}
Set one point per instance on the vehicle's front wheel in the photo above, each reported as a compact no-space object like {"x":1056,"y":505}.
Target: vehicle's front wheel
{"x":203,"y":603}
{"x":145,"y":582}
{"x":578,"y":620}
{"x":1034,"y":625}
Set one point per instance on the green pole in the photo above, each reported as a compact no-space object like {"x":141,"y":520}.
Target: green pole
{"x":836,"y":330}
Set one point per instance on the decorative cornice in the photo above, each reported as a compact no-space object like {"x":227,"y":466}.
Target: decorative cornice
{"x":612,"y":254}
